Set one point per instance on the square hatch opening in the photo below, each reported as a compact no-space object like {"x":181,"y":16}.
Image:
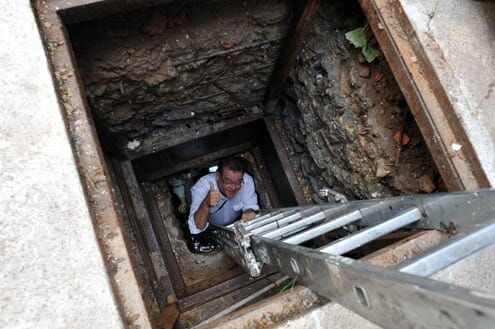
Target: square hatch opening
{"x":167,"y":88}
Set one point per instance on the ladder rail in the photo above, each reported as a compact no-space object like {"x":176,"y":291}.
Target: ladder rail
{"x":449,"y":252}
{"x":390,"y":297}
{"x":360,"y":238}
{"x":384,"y":296}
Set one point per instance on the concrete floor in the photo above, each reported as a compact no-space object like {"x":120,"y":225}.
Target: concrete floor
{"x":52,"y":273}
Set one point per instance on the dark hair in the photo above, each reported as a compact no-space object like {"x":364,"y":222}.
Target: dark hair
{"x":236,"y":163}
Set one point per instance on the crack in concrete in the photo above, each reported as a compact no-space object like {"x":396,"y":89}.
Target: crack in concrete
{"x":431,"y":15}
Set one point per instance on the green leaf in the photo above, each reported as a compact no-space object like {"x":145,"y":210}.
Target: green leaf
{"x":357,"y":37}
{"x":370,"y":53}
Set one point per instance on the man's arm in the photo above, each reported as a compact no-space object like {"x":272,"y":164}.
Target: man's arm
{"x":250,"y":202}
{"x":211,"y":200}
{"x":248,"y":215}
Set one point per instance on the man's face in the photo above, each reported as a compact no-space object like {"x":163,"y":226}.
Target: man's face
{"x":230,"y":181}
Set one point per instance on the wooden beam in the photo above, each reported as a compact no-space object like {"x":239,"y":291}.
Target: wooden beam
{"x":192,"y":163}
{"x":168,"y":318}
{"x":149,"y":245}
{"x":283,"y":176}
{"x":399,"y":251}
{"x":89,"y":159}
{"x":166,"y":248}
{"x":304,"y":12}
{"x":428,"y":100}
{"x":76,"y":11}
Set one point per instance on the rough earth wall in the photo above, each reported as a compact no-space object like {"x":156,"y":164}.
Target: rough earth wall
{"x":155,"y":76}
{"x":339,"y":115}
{"x":159,"y":77}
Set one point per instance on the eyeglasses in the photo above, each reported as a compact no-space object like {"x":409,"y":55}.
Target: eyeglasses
{"x":229,"y":182}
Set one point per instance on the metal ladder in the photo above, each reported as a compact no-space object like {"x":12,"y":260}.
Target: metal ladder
{"x":399,"y":297}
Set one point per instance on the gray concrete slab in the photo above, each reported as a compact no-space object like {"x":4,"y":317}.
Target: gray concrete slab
{"x":52,"y":273}
{"x":459,"y":39}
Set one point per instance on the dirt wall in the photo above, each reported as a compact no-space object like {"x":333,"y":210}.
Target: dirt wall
{"x":164,"y":74}
{"x":339,"y":115}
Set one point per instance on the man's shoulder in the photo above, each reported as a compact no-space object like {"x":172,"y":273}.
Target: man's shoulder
{"x":204,"y":180}
{"x":248,"y":179}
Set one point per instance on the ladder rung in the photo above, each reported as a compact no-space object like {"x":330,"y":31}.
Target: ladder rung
{"x":360,"y":238}
{"x":265,"y":216}
{"x":254,"y":224}
{"x":262,"y":217}
{"x":324,"y":228}
{"x":449,"y":252}
{"x":297,"y":226}
{"x":282,"y":222}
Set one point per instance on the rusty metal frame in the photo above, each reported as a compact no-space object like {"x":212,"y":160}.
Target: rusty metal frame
{"x":95,"y":179}
{"x":427,"y":99}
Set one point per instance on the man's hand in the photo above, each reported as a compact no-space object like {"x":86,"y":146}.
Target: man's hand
{"x":211,"y":200}
{"x":248,"y":215}
{"x":213,"y":196}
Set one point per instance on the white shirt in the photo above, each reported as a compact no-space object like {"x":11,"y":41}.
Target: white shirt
{"x":228,"y":210}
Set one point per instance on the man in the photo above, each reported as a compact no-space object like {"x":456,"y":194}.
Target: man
{"x":221,"y":198}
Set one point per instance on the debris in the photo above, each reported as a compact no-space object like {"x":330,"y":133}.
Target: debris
{"x":381,"y":168}
{"x":165,"y":72}
{"x":378,"y":76}
{"x":361,"y":58}
{"x":400,"y":139}
{"x":364,"y":71}
{"x":425,"y":184}
{"x":227,"y":45}
{"x":133,"y":144}
{"x":405,"y":137}
{"x":455,"y":147}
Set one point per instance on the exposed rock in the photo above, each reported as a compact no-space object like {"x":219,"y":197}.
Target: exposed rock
{"x":210,"y":58}
{"x":364,"y":71}
{"x":339,"y":127}
{"x":426,"y":184}
{"x":361,"y":58}
{"x":165,"y":72}
{"x":381,"y":169}
{"x":198,"y":65}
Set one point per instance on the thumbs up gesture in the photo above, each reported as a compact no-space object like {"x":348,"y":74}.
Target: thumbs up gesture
{"x":213,"y":196}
